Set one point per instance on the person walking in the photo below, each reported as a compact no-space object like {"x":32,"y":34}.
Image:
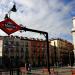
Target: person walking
{"x":30,"y":67}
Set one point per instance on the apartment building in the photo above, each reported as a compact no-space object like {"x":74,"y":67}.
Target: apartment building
{"x":14,"y":50}
{"x":62,"y":50}
{"x":17,"y":51}
{"x":38,"y":52}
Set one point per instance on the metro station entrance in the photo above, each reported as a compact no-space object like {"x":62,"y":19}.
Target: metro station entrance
{"x":9,"y":27}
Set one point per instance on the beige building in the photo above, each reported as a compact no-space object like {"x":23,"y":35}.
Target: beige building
{"x":62,"y":50}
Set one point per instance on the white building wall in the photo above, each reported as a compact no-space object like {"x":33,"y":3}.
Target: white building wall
{"x":73,"y":34}
{"x":54,"y":43}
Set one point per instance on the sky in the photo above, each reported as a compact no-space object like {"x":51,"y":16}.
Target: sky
{"x":52,"y":16}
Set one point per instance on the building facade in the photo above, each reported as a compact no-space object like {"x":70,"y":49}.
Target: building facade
{"x":18,"y":51}
{"x":62,"y":50}
{"x":38,"y":52}
{"x":14,"y":51}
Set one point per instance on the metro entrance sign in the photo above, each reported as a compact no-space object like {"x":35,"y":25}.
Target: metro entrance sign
{"x":9,"y":26}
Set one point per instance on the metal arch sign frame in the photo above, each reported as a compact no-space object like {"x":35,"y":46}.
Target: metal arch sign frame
{"x":9,"y":27}
{"x":46,"y":36}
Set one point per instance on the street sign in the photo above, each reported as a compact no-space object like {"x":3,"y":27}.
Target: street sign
{"x":9,"y":26}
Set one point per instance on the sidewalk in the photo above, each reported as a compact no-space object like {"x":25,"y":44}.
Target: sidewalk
{"x":54,"y":71}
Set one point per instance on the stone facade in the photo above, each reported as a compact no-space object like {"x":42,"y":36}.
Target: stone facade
{"x":62,"y":50}
{"x":18,"y":51}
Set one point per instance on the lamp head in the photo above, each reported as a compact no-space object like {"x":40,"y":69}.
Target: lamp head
{"x":14,"y":8}
{"x":6,"y":16}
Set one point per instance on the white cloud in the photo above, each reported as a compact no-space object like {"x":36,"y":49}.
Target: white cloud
{"x":46,"y":15}
{"x":28,"y":3}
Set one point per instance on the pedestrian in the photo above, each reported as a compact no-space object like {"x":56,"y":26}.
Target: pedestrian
{"x":30,"y":67}
{"x":27,"y":67}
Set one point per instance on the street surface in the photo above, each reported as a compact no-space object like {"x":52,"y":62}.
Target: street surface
{"x":44,"y":71}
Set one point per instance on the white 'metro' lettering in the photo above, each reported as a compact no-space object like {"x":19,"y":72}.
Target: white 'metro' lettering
{"x":9,"y":25}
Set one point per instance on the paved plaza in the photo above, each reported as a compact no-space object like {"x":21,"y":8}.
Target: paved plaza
{"x":44,"y":71}
{"x":54,"y":71}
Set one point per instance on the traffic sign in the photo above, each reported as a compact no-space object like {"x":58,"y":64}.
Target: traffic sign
{"x":9,"y":26}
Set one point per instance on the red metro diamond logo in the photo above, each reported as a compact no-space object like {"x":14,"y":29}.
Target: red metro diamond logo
{"x":9,"y":26}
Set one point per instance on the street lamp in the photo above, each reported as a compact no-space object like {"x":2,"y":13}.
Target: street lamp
{"x":12,"y":9}
{"x":6,"y":16}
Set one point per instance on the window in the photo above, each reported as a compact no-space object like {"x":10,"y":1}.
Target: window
{"x":17,"y":50}
{"x":6,"y":51}
{"x":26,"y":44}
{"x":17,"y":43}
{"x":5,"y":42}
{"x":12,"y":50}
{"x":22,"y":50}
